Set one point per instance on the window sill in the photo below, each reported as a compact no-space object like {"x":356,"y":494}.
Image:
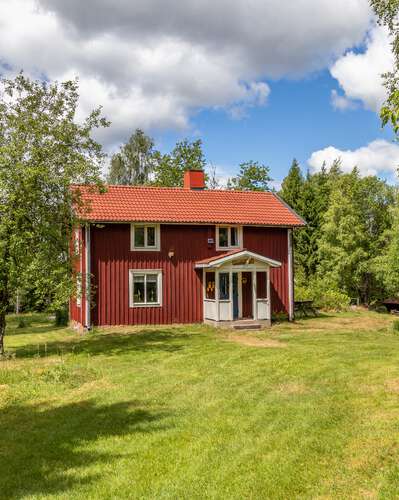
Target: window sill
{"x":143,"y":249}
{"x":145,"y":305}
{"x":227,"y":249}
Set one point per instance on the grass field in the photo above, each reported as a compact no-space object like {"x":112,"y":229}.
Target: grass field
{"x":305,"y":410}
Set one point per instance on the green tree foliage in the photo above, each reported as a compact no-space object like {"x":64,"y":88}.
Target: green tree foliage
{"x":353,"y":226}
{"x":292,"y":187}
{"x":387,"y":263}
{"x":387,"y":12}
{"x":42,"y":151}
{"x":169,"y":168}
{"x":309,"y":197}
{"x":343,"y":250}
{"x":134,"y":163}
{"x":253,"y":176}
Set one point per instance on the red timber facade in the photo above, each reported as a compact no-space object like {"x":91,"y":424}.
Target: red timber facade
{"x":144,"y":268}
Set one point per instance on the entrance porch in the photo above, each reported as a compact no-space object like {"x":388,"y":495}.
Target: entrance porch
{"x":237,"y":287}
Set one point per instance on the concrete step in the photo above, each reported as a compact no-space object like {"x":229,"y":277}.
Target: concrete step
{"x":247,"y":326}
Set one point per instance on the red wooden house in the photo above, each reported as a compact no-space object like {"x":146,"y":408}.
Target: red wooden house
{"x":183,"y":255}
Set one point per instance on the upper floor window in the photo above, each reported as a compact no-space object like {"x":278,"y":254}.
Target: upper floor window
{"x":228,"y":237}
{"x":145,"y":237}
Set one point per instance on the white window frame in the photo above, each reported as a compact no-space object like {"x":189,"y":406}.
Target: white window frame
{"x":132,"y":272}
{"x":145,"y":248}
{"x":229,"y":247}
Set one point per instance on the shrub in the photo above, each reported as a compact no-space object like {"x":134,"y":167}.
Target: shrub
{"x":22,"y":323}
{"x":381,"y":309}
{"x":62,"y":316}
{"x":324,"y":297}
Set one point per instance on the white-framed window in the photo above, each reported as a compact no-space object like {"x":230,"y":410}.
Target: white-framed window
{"x":228,"y":237}
{"x":145,"y":237}
{"x":145,"y":288}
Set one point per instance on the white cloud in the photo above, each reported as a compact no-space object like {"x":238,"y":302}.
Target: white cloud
{"x":359,"y":74}
{"x":153,"y":64}
{"x":341,"y":102}
{"x":378,"y":157}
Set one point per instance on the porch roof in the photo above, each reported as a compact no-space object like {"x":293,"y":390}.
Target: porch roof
{"x":225,"y":258}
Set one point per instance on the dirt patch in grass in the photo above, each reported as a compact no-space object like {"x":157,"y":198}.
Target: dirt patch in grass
{"x":332,"y":323}
{"x":392,"y":385}
{"x":252,"y":341}
{"x":292,"y":388}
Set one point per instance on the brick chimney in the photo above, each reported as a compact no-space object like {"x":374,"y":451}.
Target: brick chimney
{"x":194,"y":179}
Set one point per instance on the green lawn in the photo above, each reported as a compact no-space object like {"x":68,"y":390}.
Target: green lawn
{"x":309,"y":410}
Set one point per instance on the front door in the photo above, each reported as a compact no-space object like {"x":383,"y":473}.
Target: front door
{"x":247,"y":295}
{"x":235,"y":296}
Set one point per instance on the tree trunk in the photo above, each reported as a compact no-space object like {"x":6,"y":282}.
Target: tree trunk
{"x":4,"y":301}
{"x":2,"y":328}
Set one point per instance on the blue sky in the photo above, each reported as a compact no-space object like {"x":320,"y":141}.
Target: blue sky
{"x":297,"y":120}
{"x":265,"y":80}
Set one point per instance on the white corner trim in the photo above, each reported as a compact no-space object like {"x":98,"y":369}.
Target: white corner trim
{"x":88,"y":276}
{"x":158,"y":272}
{"x":146,"y":248}
{"x":290,"y":277}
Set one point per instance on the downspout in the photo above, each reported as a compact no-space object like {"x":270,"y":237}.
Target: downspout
{"x":88,"y":274}
{"x":290,"y":278}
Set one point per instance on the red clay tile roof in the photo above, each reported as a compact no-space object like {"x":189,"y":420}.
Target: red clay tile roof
{"x":178,"y":205}
{"x":243,"y":251}
{"x":220,"y":256}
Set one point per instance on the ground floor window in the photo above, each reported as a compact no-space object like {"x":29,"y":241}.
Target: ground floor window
{"x":145,"y":288}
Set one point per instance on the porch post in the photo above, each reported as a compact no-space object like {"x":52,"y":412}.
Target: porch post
{"x":254,"y":301}
{"x":269,"y":299}
{"x":231,"y":295}
{"x":217,"y":295}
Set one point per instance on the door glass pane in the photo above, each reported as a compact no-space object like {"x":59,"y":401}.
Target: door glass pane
{"x":261,"y":285}
{"x":151,"y":236}
{"x":152,"y":286}
{"x":233,"y":237}
{"x":223,"y":237}
{"x":210,"y":285}
{"x":139,"y":236}
{"x":224,"y":286}
{"x":138,"y":289}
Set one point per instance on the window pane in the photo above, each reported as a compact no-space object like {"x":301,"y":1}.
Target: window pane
{"x":152,"y":287}
{"x":261,"y":285}
{"x":151,"y":236}
{"x":223,"y":237}
{"x":138,"y":291}
{"x":139,"y":236}
{"x":233,"y":236}
{"x":210,"y":285}
{"x":224,"y":286}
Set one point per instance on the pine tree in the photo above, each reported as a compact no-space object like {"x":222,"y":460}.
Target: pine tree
{"x":292,"y":187}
